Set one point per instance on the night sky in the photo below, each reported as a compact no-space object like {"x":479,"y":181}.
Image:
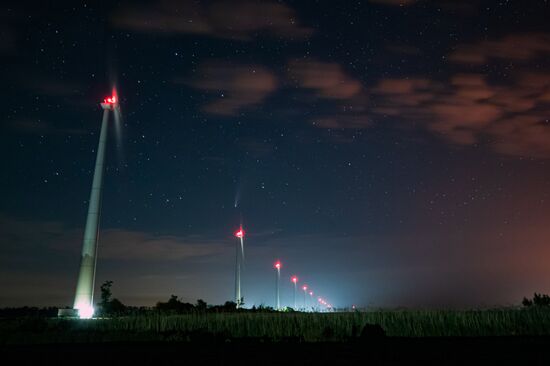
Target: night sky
{"x":388,"y":152}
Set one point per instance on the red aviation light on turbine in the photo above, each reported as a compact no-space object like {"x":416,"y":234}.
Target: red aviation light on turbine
{"x":294,"y":279}
{"x":240,"y":233}
{"x":277,"y":265}
{"x":304,"y":287}
{"x":110,"y":100}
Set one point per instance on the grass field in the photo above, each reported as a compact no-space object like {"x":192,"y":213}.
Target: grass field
{"x":308,"y":327}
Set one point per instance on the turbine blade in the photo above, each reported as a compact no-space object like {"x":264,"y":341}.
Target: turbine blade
{"x":242,"y":250}
{"x":118,"y":115}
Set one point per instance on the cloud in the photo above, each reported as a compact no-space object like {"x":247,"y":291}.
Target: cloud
{"x":39,"y":127}
{"x":516,"y":47}
{"x":221,"y":19}
{"x":404,"y":49}
{"x":467,"y":109}
{"x":236,"y":86}
{"x":394,"y":2}
{"x":341,"y":121}
{"x":469,"y":8}
{"x":39,"y":262}
{"x":53,"y":238}
{"x":328,"y":80}
{"x":129,"y":245}
{"x":7,"y":39}
{"x":50,"y":87}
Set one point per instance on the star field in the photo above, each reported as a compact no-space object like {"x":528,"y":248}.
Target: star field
{"x":390,"y":153}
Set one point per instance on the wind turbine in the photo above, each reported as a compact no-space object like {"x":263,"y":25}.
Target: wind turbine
{"x":238,"y":264}
{"x":278,"y":266}
{"x":294,"y":280}
{"x":84,"y":296}
{"x":304,"y":287}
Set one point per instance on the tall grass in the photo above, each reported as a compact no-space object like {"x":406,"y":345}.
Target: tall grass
{"x":309,"y":327}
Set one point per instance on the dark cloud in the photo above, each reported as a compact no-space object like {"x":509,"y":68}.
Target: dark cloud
{"x":119,"y":244}
{"x":221,"y":19}
{"x":39,"y":260}
{"x":394,"y":2}
{"x":39,"y":127}
{"x":403,"y":49}
{"x":514,"y":47}
{"x":116,"y":244}
{"x":234,"y":87}
{"x":7,"y":39}
{"x":50,"y":87}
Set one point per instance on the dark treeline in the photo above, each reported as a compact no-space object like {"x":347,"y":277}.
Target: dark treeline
{"x":109,"y":306}
{"x":116,"y":308}
{"x":538,"y":300}
{"x":174,"y":305}
{"x":27,"y":311}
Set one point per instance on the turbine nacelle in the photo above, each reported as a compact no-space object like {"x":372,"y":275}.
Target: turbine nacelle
{"x":240,"y":233}
{"x":110,"y":102}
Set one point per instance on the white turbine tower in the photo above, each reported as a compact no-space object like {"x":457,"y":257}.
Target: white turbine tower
{"x":278,"y":266}
{"x":238,"y":264}
{"x":84,"y":297}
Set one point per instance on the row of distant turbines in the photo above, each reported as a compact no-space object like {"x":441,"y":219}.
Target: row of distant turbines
{"x":239,"y":234}
{"x":83,"y":303}
{"x":305,"y":288}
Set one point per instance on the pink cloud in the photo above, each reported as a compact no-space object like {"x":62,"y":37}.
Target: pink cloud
{"x":468,"y":108}
{"x":328,"y":80}
{"x":235,"y":86}
{"x":342,"y":121}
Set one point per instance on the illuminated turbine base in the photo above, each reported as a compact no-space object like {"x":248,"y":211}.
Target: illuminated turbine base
{"x":85,"y":311}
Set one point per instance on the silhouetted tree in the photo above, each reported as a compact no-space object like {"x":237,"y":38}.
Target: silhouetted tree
{"x":539,"y":300}
{"x":201,"y":305}
{"x":116,"y":307}
{"x":173,"y":305}
{"x":108,"y":306}
{"x":230,"y":306}
{"x":106,"y":293}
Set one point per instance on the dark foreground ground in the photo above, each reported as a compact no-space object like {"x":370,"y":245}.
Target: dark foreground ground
{"x":387,"y":351}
